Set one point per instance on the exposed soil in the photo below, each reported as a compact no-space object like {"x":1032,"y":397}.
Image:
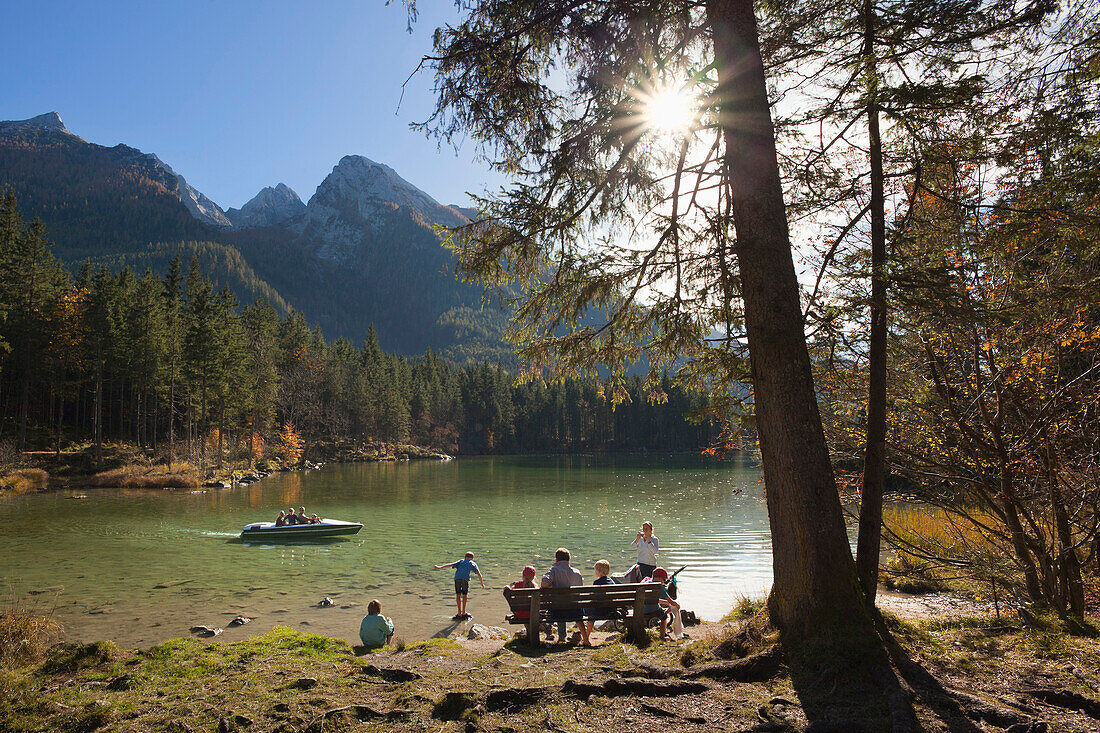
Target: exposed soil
{"x":973,"y":674}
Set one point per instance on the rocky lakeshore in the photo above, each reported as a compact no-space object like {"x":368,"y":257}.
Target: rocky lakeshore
{"x":129,"y":466}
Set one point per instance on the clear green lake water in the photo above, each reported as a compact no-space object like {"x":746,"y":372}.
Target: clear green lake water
{"x":139,"y":567}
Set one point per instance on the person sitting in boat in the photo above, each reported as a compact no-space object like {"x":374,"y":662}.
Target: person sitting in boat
{"x":280,"y":521}
{"x":314,"y":519}
{"x":292,"y":518}
{"x":303,"y":518}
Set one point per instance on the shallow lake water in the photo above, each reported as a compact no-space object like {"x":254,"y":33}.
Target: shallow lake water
{"x":139,"y":567}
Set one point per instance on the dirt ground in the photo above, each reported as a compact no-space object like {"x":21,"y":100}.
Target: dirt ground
{"x":961,"y":673}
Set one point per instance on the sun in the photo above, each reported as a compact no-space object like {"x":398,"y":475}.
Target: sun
{"x":669,"y":110}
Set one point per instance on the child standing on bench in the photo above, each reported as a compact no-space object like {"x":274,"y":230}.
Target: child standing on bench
{"x":463,"y":568}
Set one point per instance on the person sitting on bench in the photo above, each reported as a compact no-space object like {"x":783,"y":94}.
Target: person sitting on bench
{"x":564,"y":575}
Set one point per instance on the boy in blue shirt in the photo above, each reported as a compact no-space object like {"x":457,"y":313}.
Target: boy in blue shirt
{"x":463,"y":568}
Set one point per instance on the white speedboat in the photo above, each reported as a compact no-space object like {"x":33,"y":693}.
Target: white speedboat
{"x":268,"y":531}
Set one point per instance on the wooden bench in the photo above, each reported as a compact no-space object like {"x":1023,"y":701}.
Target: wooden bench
{"x":550,"y":605}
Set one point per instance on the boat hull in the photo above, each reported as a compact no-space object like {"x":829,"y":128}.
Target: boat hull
{"x":268,"y":532}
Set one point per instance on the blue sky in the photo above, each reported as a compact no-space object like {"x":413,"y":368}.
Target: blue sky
{"x":237,"y":95}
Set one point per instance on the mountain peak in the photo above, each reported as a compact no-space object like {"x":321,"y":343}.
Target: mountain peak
{"x":269,"y":207}
{"x":361,"y":198}
{"x":49,"y":121}
{"x":358,"y":178}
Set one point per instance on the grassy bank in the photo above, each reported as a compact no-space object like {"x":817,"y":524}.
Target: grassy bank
{"x":987,"y":675}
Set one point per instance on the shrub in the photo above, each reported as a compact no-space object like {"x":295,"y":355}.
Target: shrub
{"x":132,"y":477}
{"x":744,"y":607}
{"x":906,"y":573}
{"x":24,"y":479}
{"x":24,"y":635}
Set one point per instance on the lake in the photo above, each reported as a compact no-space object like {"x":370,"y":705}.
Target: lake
{"x":139,"y":567}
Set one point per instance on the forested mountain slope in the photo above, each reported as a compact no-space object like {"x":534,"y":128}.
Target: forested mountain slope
{"x":362,"y":251}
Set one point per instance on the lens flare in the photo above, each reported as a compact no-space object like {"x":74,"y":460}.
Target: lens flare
{"x":670,"y":110}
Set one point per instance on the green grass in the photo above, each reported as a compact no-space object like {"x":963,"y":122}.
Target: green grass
{"x":85,"y":687}
{"x":745,"y":607}
{"x":436,"y":647}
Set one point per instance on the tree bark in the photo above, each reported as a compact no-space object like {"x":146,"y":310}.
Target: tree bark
{"x":221,"y":432}
{"x":99,"y":415}
{"x":171,"y":419}
{"x":1019,"y":538}
{"x":815,"y":593}
{"x":869,"y":542}
{"x":1066,"y":561}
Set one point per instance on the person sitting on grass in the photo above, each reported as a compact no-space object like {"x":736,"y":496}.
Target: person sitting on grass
{"x":603,"y":571}
{"x":376,"y":630}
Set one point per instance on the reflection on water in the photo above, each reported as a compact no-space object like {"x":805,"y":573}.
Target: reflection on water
{"x":143,"y":566}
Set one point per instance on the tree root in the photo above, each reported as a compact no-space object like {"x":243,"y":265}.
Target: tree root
{"x":359,"y":712}
{"x":1067,"y":699}
{"x":663,"y":713}
{"x":657,"y":671}
{"x":764,"y":665}
{"x":638,"y":686}
{"x":391,"y":674}
{"x":983,"y":711}
{"x":519,"y":697}
{"x":757,"y":667}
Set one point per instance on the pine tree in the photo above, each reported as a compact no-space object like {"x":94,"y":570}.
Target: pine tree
{"x":588,"y":162}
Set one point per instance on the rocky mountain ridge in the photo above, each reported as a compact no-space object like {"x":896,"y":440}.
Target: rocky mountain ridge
{"x":49,"y":121}
{"x":271,"y":206}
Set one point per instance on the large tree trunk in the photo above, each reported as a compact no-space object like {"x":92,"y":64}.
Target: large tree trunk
{"x":868,"y":545}
{"x":815,"y":592}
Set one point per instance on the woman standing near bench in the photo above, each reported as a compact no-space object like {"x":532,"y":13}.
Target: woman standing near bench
{"x":647,"y":546}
